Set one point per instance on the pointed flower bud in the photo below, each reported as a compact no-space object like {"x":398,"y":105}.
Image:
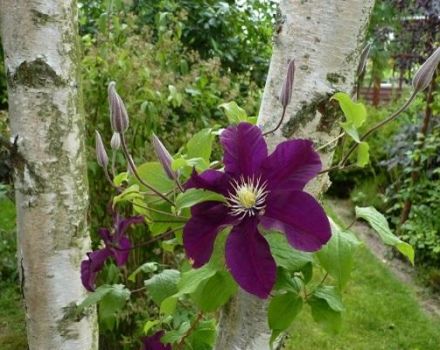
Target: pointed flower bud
{"x":363,"y":59}
{"x":424,"y":74}
{"x":164,"y":157}
{"x":101,"y":154}
{"x":286,"y":89}
{"x":118,"y":112}
{"x":115,"y":142}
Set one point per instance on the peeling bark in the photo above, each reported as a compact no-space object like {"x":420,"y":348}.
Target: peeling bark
{"x":325,"y":39}
{"x":41,"y":56}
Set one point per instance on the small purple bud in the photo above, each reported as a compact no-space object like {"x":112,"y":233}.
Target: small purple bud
{"x":286,"y":89}
{"x":115,"y":142}
{"x":424,"y":74}
{"x":101,"y":154}
{"x":118,"y":112}
{"x":164,"y":157}
{"x":363,"y":59}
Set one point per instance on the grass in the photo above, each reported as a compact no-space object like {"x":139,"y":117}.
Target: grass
{"x":12,"y":324}
{"x":381,"y":313}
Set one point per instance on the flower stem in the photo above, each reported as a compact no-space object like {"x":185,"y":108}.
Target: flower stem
{"x":159,"y":211}
{"x":278,"y":125}
{"x":330,"y":142}
{"x":136,"y":174}
{"x":378,"y":126}
{"x":181,"y":343}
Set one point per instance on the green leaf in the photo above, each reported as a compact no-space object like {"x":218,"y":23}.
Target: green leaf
{"x":234,"y":113}
{"x":111,"y":303}
{"x":176,"y":335}
{"x":329,"y":319}
{"x":191,"y":279}
{"x":120,"y":179}
{"x":285,"y":255}
{"x":153,"y":174}
{"x":129,"y":194}
{"x":162,"y":285}
{"x":355,"y":114}
{"x":200,"y":145}
{"x":336,"y":257}
{"x":182,"y":163}
{"x":283,"y":309}
{"x":331,"y":295}
{"x":150,"y":324}
{"x":214,"y":292}
{"x":148,"y":267}
{"x":203,"y":337}
{"x":95,"y":297}
{"x":194,"y":196}
{"x":379,"y":223}
{"x":168,"y":305}
{"x":363,"y":154}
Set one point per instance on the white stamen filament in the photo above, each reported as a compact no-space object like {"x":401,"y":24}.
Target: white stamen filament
{"x":249,"y":197}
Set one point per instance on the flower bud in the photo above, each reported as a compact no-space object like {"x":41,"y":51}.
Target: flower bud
{"x":164,"y":157}
{"x":115,"y":142}
{"x":118,"y":112}
{"x":286,"y":89}
{"x":363,"y":59}
{"x":424,"y":74}
{"x":101,"y":154}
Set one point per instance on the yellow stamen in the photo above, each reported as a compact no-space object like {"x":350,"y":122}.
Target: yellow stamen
{"x":247,"y":197}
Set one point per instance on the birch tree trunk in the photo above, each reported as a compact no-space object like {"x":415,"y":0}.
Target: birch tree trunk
{"x":41,"y":57}
{"x":325,"y":38}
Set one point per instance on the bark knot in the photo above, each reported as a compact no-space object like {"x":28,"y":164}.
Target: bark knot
{"x":34,"y":74}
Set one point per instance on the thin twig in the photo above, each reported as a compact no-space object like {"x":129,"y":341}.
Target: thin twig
{"x":330,"y":142}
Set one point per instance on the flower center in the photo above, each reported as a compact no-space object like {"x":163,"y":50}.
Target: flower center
{"x":248,"y":197}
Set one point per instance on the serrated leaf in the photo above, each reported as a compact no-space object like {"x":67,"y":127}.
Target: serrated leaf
{"x":200,"y":145}
{"x":283,"y":309}
{"x":363,"y":154}
{"x":379,"y":223}
{"x":195,"y":196}
{"x":150,"y":324}
{"x":95,"y":297}
{"x":355,"y":114}
{"x":336,"y":257}
{"x":129,"y":194}
{"x":148,"y":267}
{"x":234,"y":113}
{"x":285,"y":255}
{"x":214,"y":292}
{"x":111,"y":303}
{"x":162,"y":285}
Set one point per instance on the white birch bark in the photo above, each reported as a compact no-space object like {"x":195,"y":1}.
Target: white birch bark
{"x":41,"y":56}
{"x":325,"y":38}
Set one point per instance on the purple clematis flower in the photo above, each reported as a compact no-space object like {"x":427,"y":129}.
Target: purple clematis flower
{"x":153,"y":342}
{"x":117,"y":246}
{"x":260,"y":189}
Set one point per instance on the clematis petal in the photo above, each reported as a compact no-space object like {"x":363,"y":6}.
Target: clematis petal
{"x":249,"y":259}
{"x":105,"y":235}
{"x":244,"y":150}
{"x":122,"y":252}
{"x":199,"y":233}
{"x":153,"y":342}
{"x":300,"y":217}
{"x":291,"y":165}
{"x":122,"y":224}
{"x":91,"y":266}
{"x":211,"y":180}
